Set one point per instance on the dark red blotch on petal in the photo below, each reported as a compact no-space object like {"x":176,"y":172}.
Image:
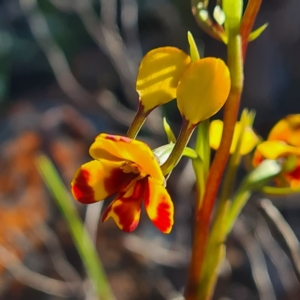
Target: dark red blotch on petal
{"x":81,"y":190}
{"x":125,"y":221}
{"x":295,"y":174}
{"x":128,"y":225}
{"x":117,"y":181}
{"x":163,"y":220}
{"x":132,"y":203}
{"x":118,"y":138}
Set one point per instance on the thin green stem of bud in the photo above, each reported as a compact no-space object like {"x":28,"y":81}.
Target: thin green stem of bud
{"x":137,"y":122}
{"x":183,"y":138}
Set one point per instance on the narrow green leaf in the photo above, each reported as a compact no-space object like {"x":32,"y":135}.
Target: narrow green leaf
{"x":169,"y":132}
{"x":272,"y":190}
{"x":194,"y":53}
{"x":81,"y":238}
{"x":261,"y":175}
{"x":257,"y":32}
{"x":255,"y":180}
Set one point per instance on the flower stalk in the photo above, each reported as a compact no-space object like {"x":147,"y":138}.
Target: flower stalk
{"x":137,"y":122}
{"x":184,"y":137}
{"x":196,"y":289}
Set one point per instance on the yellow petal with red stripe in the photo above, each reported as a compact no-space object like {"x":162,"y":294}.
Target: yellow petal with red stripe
{"x":293,"y":177}
{"x":288,"y":130}
{"x":159,"y":206}
{"x":126,"y":208}
{"x":96,"y":180}
{"x":114,"y":147}
{"x":158,"y":76}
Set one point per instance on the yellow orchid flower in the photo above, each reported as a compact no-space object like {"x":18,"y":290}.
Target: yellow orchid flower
{"x":129,"y":169}
{"x":283,"y":143}
{"x":250,"y":139}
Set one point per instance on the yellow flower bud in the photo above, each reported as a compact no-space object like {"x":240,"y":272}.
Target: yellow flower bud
{"x":158,"y":76}
{"x":203,"y":89}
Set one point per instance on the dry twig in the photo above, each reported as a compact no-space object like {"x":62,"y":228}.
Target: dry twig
{"x":37,"y":281}
{"x":271,"y":213}
{"x":257,"y":261}
{"x":277,"y":256}
{"x":60,"y":262}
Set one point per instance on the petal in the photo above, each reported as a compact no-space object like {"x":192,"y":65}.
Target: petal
{"x":203,"y":89}
{"x":159,"y":206}
{"x":96,"y":180}
{"x":287,"y":130}
{"x":116,"y":147}
{"x":126,"y":208}
{"x":276,"y":149}
{"x":250,"y":139}
{"x":158,"y":76}
{"x":293,"y":177}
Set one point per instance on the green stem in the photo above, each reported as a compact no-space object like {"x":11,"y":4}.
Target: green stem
{"x":238,"y":204}
{"x":81,"y":238}
{"x":196,"y":289}
{"x":201,"y":164}
{"x":176,"y":154}
{"x":138,"y":122}
{"x":216,"y":243}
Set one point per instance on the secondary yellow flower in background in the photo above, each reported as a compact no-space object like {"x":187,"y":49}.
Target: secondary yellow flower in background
{"x":283,"y":144}
{"x":158,"y":76}
{"x":203,"y":89}
{"x":129,"y":169}
{"x":250,"y":139}
{"x":287,"y":130}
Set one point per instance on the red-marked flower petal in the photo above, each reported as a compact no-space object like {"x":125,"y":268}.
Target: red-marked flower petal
{"x":126,"y":208}
{"x":98,"y":179}
{"x":278,"y":149}
{"x":159,"y":206}
{"x":294,"y":177}
{"x":287,"y":130}
{"x":113,"y":147}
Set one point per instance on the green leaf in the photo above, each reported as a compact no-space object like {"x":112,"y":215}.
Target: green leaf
{"x":272,"y":190}
{"x":255,"y":180}
{"x":257,"y":32}
{"x":162,"y":153}
{"x":169,"y":132}
{"x":81,"y":238}
{"x":194,"y":53}
{"x":261,"y":175}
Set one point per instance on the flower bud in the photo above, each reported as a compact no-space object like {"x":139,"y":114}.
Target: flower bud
{"x":203,"y":89}
{"x":158,"y":76}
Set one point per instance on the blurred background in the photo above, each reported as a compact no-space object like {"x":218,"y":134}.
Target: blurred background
{"x":67,"y":73}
